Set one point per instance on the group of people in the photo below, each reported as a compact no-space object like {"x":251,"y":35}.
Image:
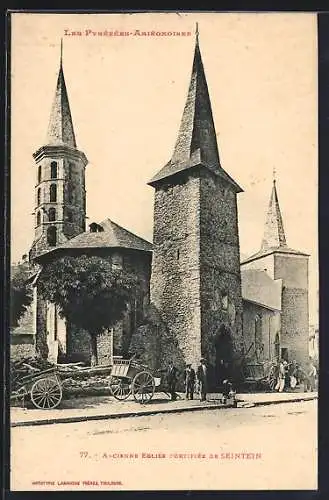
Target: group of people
{"x":195,"y":382}
{"x":289,"y":375}
{"x":192,"y":380}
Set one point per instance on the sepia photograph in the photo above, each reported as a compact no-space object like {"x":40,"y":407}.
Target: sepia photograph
{"x":164,"y":288}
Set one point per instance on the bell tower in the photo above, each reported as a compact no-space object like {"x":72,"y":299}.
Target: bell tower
{"x":60,"y":196}
{"x":284,"y":263}
{"x":196,"y":282}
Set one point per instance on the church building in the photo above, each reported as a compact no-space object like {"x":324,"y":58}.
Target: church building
{"x":196,"y":298}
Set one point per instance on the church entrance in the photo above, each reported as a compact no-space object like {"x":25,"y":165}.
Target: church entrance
{"x":224,"y":356}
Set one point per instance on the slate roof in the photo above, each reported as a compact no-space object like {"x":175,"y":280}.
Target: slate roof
{"x":60,"y":128}
{"x":258,"y":287}
{"x":197,"y":142}
{"x":274,"y":239}
{"x":274,"y":235}
{"x":263,"y":253}
{"x":113,"y":236}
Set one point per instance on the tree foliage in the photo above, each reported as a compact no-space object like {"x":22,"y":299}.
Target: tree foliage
{"x":88,"y":292}
{"x":20,"y":292}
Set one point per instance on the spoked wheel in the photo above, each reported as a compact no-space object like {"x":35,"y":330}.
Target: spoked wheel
{"x":143,"y":387}
{"x":120,"y":388}
{"x":272,"y":379}
{"x":46,"y":393}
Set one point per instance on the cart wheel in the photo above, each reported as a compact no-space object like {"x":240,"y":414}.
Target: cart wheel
{"x":143,"y":387}
{"x":46,"y":393}
{"x":272,"y":379}
{"x":120,"y":388}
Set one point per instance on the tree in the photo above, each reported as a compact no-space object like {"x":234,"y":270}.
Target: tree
{"x":20,"y":292}
{"x":88,"y":292}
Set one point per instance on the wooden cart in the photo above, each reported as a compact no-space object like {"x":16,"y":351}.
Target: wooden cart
{"x":129,"y":377}
{"x":44,"y":387}
{"x":262,"y":374}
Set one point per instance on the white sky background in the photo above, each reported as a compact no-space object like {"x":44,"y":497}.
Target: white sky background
{"x":127,"y":95}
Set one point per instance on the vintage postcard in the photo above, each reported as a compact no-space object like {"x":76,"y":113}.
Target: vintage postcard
{"x":164,"y":254}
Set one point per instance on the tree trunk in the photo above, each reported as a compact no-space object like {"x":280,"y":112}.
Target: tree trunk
{"x":94,"y":357}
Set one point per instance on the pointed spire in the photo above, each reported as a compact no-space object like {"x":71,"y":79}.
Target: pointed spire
{"x":60,"y":129}
{"x":197,"y":129}
{"x":196,"y":143}
{"x":61,"y":59}
{"x":274,"y":236}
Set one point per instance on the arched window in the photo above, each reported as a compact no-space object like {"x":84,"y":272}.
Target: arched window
{"x":53,"y":170}
{"x":53,"y":192}
{"x":52,"y":214}
{"x":38,"y":218}
{"x":39,"y":174}
{"x":38,"y":196}
{"x":69,"y":170}
{"x":52,"y":236}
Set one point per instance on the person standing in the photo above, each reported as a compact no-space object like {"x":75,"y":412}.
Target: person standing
{"x":281,"y":377}
{"x":311,"y":375}
{"x":202,"y":378}
{"x":293,"y":374}
{"x":189,"y":381}
{"x":172,"y":374}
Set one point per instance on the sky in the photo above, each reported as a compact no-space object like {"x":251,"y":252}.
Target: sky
{"x":127,"y":95}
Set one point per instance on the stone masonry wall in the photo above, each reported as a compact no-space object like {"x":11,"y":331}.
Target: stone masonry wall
{"x":20,"y":351}
{"x":221,"y":302}
{"x":295,"y":310}
{"x":70,"y":177}
{"x":175,"y":280}
{"x":294,"y":324}
{"x":41,"y":327}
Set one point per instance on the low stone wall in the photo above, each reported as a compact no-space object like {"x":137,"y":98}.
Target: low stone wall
{"x":18,"y":351}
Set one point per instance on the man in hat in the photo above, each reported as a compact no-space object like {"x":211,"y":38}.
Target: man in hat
{"x":172,"y":374}
{"x":189,"y":381}
{"x":202,"y":378}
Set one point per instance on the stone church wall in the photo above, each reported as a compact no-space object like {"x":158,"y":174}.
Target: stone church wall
{"x":175,"y":281}
{"x":221,"y":302}
{"x":295,"y":332}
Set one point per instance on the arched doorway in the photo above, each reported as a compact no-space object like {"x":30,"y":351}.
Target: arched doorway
{"x":224,"y":355}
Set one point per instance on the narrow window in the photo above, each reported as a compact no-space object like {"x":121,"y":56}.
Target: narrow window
{"x":38,"y":219}
{"x":52,"y":236}
{"x":38,"y":196}
{"x":69,"y":170}
{"x":177,"y":254}
{"x":53,"y":192}
{"x":70,"y":194}
{"x":39,"y":174}
{"x":51,"y":214}
{"x":53,"y":170}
